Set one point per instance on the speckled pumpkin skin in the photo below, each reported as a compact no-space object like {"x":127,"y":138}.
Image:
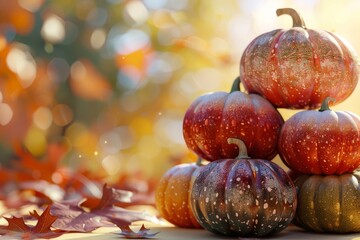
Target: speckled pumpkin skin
{"x":243,"y":197}
{"x":172,"y":195}
{"x":328,"y":142}
{"x":329,"y":203}
{"x":299,"y":67}
{"x":213,"y":118}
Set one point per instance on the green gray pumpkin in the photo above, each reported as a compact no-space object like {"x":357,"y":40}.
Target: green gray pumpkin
{"x":328,"y":203}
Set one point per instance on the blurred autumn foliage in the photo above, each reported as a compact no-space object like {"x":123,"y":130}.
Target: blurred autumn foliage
{"x":106,"y":83}
{"x":100,"y":81}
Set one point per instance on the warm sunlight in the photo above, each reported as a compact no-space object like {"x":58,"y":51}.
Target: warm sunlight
{"x":100,"y":100}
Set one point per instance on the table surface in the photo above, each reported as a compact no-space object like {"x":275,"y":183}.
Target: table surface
{"x":170,"y":232}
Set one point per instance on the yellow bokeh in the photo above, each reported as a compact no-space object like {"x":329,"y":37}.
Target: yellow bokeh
{"x":35,"y":141}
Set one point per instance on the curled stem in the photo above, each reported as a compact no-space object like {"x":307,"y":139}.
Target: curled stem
{"x":236,"y":85}
{"x":296,"y":17}
{"x":325,"y":104}
{"x":241,"y":145}
{"x":199,"y":162}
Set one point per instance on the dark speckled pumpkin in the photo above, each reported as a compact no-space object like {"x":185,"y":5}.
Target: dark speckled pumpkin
{"x":329,"y":203}
{"x":243,"y":197}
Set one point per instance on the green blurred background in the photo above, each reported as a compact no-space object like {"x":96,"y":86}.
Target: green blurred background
{"x":111,"y":80}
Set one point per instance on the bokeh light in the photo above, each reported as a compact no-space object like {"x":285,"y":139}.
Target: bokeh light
{"x":53,"y":29}
{"x":20,"y":61}
{"x":6,"y":114}
{"x":62,"y":114}
{"x":42,"y":118}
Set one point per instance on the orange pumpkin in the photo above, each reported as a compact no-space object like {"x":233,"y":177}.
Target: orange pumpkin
{"x":172,"y":195}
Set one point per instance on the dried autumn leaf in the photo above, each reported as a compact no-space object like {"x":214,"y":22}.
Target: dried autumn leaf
{"x":30,"y":179}
{"x":43,"y":189}
{"x":31,"y":168}
{"x":142,"y":233}
{"x":17,"y":227}
{"x":73,"y":216}
{"x":110,"y":196}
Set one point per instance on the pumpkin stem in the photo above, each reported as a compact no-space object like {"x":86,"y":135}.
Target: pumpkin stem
{"x":297,"y":19}
{"x":199,"y":162}
{"x":325,"y":104}
{"x":236,"y":85}
{"x":241,"y":145}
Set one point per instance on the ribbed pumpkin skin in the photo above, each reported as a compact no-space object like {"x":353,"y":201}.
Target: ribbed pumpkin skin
{"x":172,"y":195}
{"x":299,"y":67}
{"x":329,"y":203}
{"x":314,"y":142}
{"x":243,"y":197}
{"x":212,"y":118}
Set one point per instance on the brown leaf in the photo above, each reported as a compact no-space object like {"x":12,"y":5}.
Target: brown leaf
{"x":73,"y":216}
{"x":17,"y":227}
{"x":43,"y":189}
{"x":32,"y":168}
{"x":17,"y":224}
{"x":142,"y":233}
{"x":38,"y":192}
{"x":110,"y":196}
{"x":45,"y":221}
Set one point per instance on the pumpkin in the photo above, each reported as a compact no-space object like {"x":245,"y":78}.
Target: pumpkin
{"x":299,"y":67}
{"x":243,"y":197}
{"x":172,"y":195}
{"x":321,"y":142}
{"x":328,"y":203}
{"x":212,"y":118}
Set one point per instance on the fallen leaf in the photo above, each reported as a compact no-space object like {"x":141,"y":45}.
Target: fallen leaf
{"x":142,"y":233}
{"x":17,"y":227}
{"x":109,"y":197}
{"x":32,"y":168}
{"x":45,"y":220}
{"x":41,"y":187}
{"x":74,"y":216}
{"x":38,"y":192}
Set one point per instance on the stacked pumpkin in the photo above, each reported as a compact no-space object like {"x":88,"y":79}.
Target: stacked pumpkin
{"x":304,"y":68}
{"x":241,"y":192}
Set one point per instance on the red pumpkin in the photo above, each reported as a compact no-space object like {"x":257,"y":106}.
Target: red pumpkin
{"x":321,"y":142}
{"x":213,"y":118}
{"x":299,"y":67}
{"x":243,"y":197}
{"x":172,"y":195}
